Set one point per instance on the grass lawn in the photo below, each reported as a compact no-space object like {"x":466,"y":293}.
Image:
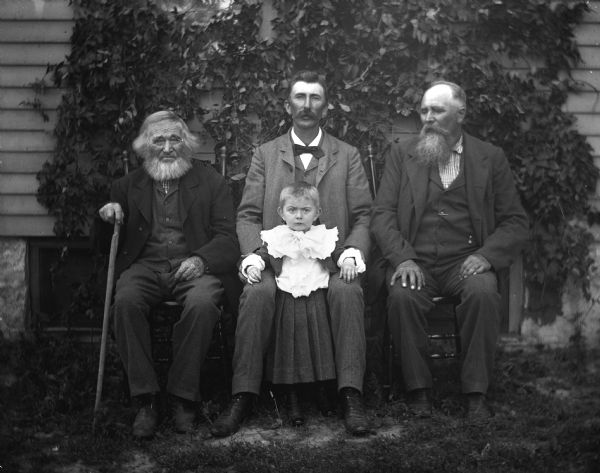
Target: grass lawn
{"x":547,"y":405}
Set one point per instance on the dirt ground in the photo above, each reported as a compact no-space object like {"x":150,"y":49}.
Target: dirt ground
{"x":547,"y":406}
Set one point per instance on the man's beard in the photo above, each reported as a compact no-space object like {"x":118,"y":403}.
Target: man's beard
{"x":166,"y":170}
{"x":432,"y":147}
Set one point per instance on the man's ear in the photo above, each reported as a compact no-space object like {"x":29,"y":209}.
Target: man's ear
{"x":461,"y":114}
{"x":287,"y":107}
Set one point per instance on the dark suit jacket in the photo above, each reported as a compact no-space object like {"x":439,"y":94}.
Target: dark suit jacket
{"x":207,"y":216}
{"x":499,"y":222}
{"x":341,"y":181}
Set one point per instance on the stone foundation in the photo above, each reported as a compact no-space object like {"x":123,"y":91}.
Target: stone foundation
{"x":13,"y":287}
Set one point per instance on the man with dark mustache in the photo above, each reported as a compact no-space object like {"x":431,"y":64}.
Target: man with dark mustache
{"x":447,"y":217}
{"x":178,"y":242}
{"x":305,"y":153}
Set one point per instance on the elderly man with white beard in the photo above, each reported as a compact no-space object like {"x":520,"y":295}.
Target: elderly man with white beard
{"x":447,"y":217}
{"x":178,"y":242}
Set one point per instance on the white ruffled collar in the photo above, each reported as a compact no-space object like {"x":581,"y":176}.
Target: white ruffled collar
{"x":317,"y":242}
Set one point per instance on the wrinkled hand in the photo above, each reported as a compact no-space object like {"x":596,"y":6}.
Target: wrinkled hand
{"x":112,"y":211}
{"x":409,"y":273}
{"x":191,"y":268}
{"x":348,"y":270}
{"x":254,"y":274}
{"x":474,"y":264}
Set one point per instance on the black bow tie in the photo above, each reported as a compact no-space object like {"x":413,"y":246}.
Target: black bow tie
{"x":314,"y":150}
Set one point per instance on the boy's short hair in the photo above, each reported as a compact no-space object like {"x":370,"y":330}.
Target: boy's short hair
{"x":300,"y":189}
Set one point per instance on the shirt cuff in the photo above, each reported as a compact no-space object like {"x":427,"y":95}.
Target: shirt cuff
{"x":358,"y":259}
{"x":251,"y":260}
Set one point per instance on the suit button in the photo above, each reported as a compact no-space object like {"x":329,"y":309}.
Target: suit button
{"x":141,"y":228}
{"x":125,"y":252}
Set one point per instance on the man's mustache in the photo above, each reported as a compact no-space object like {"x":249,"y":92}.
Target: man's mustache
{"x":307,"y":114}
{"x":434,"y":129}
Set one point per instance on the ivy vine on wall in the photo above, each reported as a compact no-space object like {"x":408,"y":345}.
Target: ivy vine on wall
{"x":131,"y":58}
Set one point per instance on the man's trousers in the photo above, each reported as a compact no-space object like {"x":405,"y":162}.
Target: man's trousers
{"x":478,"y":319}
{"x":138,"y":290}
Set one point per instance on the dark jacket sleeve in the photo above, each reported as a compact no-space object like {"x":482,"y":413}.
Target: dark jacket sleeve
{"x":384,"y":216}
{"x":506,"y":225}
{"x":221,"y":251}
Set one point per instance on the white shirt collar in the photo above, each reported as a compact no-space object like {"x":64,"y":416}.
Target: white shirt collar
{"x":314,"y":142}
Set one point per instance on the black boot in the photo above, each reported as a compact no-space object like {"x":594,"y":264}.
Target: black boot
{"x":294,"y":408}
{"x":146,"y":418}
{"x":355,"y":416}
{"x":229,"y":421}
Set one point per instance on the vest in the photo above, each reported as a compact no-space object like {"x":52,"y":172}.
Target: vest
{"x":445,"y":234}
{"x":166,"y":247}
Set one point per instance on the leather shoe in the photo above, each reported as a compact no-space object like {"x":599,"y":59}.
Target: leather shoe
{"x":145,"y":421}
{"x":477,"y":408}
{"x":229,"y":421}
{"x":184,"y":415}
{"x":294,"y":408}
{"x":419,"y":403}
{"x":355,"y":417}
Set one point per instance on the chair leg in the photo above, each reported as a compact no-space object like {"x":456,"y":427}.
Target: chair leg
{"x":388,"y":356}
{"x":457,"y":341}
{"x":223,"y":348}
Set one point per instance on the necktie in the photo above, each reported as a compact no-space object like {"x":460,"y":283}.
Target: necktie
{"x":314,"y":150}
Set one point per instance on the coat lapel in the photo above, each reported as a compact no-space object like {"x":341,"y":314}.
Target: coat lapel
{"x":142,"y":196}
{"x":286,"y":152}
{"x":188,"y":192}
{"x":418,"y":177}
{"x":329,"y":158}
{"x":477,"y":168}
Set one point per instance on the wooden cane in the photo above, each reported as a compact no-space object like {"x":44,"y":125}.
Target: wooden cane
{"x":107,"y":301}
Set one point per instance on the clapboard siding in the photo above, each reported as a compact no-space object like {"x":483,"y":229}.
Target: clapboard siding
{"x":586,"y":105}
{"x":35,"y":10}
{"x":18,"y":184}
{"x":14,"y":98}
{"x":587,"y":34}
{"x":23,"y":120}
{"x":33,"y":35}
{"x":26,"y":54}
{"x":20,"y":76}
{"x":23,"y":162}
{"x":31,"y":226}
{"x":26,"y":141}
{"x":583,"y":102}
{"x":21,"y":205}
{"x":36,"y":31}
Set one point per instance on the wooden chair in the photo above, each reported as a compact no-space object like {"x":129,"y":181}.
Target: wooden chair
{"x":162,"y":318}
{"x":441,"y":351}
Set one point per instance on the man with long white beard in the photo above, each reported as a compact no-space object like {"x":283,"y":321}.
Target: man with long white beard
{"x":447,"y":217}
{"x":178,"y":242}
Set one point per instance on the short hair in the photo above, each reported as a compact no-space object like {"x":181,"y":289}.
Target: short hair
{"x":140,"y":144}
{"x":300,"y":189}
{"x":311,"y":77}
{"x":458,"y":92}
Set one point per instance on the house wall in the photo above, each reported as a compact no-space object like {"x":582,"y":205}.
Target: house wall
{"x":580,"y":318}
{"x":35,"y":33}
